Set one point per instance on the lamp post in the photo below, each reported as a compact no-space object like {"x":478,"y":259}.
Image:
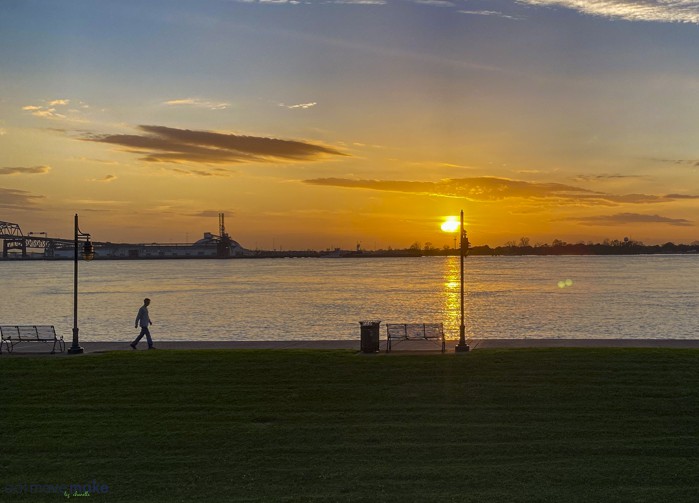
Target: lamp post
{"x":451,"y":226}
{"x":462,"y":346}
{"x":88,"y":253}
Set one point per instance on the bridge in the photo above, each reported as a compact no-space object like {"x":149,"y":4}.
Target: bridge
{"x":211,"y":246}
{"x":13,"y":239}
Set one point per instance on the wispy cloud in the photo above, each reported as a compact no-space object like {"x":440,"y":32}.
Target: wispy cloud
{"x":680,"y":162}
{"x":43,"y":111}
{"x":302,"y":106}
{"x":208,"y":213}
{"x":58,"y":109}
{"x":165,"y":144}
{"x":632,"y":218}
{"x":198,"y":103}
{"x":34,"y":170}
{"x":202,"y":172}
{"x":487,"y":13}
{"x":495,"y":189}
{"x":435,"y":3}
{"x":597,"y":178}
{"x":669,"y":11}
{"x":104,"y":179}
{"x":13,"y":198}
{"x":358,"y":2}
{"x":681,"y":196}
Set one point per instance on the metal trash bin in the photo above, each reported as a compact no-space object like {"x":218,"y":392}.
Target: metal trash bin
{"x":370,"y":336}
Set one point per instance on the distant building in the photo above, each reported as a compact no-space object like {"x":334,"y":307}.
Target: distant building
{"x":210,"y":246}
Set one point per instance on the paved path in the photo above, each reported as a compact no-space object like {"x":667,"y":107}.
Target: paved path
{"x":411,"y":347}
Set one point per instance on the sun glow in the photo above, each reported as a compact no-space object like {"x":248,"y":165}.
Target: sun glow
{"x":451,"y":224}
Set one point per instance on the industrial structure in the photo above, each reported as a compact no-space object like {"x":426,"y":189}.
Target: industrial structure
{"x":17,"y":245}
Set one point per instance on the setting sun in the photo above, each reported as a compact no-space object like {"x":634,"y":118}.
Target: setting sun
{"x":451,"y":224}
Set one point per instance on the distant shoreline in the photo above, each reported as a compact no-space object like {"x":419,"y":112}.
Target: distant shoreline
{"x":481,"y":251}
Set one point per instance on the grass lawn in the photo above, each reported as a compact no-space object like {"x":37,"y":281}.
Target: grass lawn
{"x":559,"y":425}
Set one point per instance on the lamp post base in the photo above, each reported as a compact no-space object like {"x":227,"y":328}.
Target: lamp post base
{"x":75,"y":349}
{"x":462,"y":346}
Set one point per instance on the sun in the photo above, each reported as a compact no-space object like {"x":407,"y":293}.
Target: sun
{"x":451,"y":224}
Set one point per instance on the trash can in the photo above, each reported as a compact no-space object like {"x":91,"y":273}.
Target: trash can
{"x":370,"y":336}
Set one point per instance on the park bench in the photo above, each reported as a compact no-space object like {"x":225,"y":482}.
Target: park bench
{"x":11,"y":335}
{"x":399,"y":332}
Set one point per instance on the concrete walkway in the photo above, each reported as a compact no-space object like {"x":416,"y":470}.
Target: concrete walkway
{"x":404,"y":347}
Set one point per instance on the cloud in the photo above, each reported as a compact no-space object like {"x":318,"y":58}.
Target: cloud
{"x":105,"y":179}
{"x":667,"y":11}
{"x":496,"y":189}
{"x":207,"y":213}
{"x":201,"y":172}
{"x":435,"y":3}
{"x":44,"y":112}
{"x":302,"y":106}
{"x":199,"y":103}
{"x":681,"y":196}
{"x":49,"y":109}
{"x":25,"y":171}
{"x":589,"y":178}
{"x":21,"y":199}
{"x":165,"y":144}
{"x":632,"y":218}
{"x":680,"y":162}
{"x":487,"y":13}
{"x":61,"y":102}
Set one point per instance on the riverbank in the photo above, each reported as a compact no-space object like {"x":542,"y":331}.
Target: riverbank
{"x":398,"y":348}
{"x":573,"y":425}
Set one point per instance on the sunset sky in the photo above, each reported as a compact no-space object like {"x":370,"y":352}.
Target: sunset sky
{"x":317,"y":124}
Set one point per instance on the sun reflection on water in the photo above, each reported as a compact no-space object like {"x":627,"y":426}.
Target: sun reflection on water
{"x":451,"y":307}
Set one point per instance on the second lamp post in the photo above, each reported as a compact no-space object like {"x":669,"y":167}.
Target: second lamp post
{"x":88,"y":253}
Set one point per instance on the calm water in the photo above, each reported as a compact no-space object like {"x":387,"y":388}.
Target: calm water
{"x":277,"y":299}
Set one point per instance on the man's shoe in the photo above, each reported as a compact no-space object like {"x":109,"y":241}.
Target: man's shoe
{"x":133,"y":346}
{"x":152,"y":347}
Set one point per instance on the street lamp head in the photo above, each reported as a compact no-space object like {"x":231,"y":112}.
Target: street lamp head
{"x":88,"y":250}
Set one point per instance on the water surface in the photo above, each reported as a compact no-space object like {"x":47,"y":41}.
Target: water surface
{"x":632,"y":297}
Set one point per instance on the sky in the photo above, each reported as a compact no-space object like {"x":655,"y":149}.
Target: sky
{"x":322,"y":124}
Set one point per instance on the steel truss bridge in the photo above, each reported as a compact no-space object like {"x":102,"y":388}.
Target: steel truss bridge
{"x":13,"y":239}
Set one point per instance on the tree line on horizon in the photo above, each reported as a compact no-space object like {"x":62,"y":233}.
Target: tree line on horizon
{"x":625,"y":246}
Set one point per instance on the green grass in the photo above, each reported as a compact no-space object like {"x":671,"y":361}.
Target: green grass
{"x":561,"y":425}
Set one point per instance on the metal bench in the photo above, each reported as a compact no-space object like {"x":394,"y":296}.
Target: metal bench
{"x":398,"y":332}
{"x":11,"y":335}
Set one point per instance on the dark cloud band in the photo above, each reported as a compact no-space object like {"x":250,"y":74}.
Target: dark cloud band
{"x":34,"y":170}
{"x":632,"y":218}
{"x":166,"y":144}
{"x":494,"y":189}
{"x":14,"y":198}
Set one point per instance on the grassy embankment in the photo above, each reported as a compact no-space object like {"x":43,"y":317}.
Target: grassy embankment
{"x":508,"y":426}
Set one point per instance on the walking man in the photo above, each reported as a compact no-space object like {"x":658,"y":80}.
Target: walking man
{"x":143,"y":319}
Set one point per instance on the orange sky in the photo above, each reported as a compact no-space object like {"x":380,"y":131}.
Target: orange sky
{"x":327,"y":124}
